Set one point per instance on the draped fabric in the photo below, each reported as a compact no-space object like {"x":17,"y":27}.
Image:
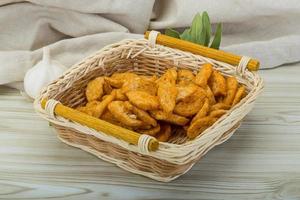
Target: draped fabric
{"x":267,"y":30}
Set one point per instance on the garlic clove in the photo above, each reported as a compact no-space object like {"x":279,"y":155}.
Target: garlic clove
{"x":43,"y":73}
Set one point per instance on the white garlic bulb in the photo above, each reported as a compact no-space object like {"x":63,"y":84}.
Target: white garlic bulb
{"x":42,"y":74}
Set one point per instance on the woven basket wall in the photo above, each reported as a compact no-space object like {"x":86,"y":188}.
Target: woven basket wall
{"x":173,"y":158}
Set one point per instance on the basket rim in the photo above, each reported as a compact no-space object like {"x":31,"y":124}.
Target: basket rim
{"x":165,"y":148}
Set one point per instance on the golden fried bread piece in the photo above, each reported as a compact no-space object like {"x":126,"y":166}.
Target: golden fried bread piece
{"x":90,"y":108}
{"x":118,"y":79}
{"x":98,"y":107}
{"x":107,"y":89}
{"x":185,"y":76}
{"x":210,"y":95}
{"x":203,"y":111}
{"x":185,"y":91}
{"x":152,"y":131}
{"x":217,"y":113}
{"x":124,"y":75}
{"x":141,"y":114}
{"x":140,"y":84}
{"x":85,"y":110}
{"x":94,"y":89}
{"x":239,"y":95}
{"x":232,"y":86}
{"x":107,"y":116}
{"x":104,"y":97}
{"x":167,"y":93}
{"x":203,"y":75}
{"x":169,"y":76}
{"x":143,"y":127}
{"x":123,"y":115}
{"x":169,"y":117}
{"x":217,"y":83}
{"x":143,"y":100}
{"x":165,"y":132}
{"x":150,"y":78}
{"x":120,"y":95}
{"x":116,"y":83}
{"x":198,"y":126}
{"x":192,"y":105}
{"x":220,"y":106}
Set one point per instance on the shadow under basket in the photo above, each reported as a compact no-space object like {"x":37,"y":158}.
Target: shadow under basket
{"x":172,"y":158}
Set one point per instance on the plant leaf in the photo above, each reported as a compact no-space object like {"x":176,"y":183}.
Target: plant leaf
{"x":206,"y":27}
{"x":217,"y":39}
{"x":172,"y":33}
{"x":186,"y":35}
{"x":202,"y":38}
{"x":196,"y":28}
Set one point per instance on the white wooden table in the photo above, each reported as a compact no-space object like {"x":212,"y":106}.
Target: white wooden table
{"x":261,"y":161}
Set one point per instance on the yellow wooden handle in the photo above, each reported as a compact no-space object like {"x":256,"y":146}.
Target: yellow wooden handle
{"x":253,"y":64}
{"x":100,"y":125}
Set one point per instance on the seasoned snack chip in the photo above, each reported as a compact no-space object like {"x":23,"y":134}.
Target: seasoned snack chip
{"x":198,"y":126}
{"x":107,"y":89}
{"x":239,"y":95}
{"x":120,"y":95}
{"x":98,"y":107}
{"x":123,"y":115}
{"x":232,"y":86}
{"x":152,"y":131}
{"x":118,"y":79}
{"x":220,"y":106}
{"x":141,"y":114}
{"x":167,"y":93}
{"x":94,"y":89}
{"x":107,"y":116}
{"x":169,"y":76}
{"x":185,"y":91}
{"x":185,"y":76}
{"x":217,"y":83}
{"x":85,"y":110}
{"x":210,"y":96}
{"x":116,"y":83}
{"x":124,"y":75}
{"x":164,"y":133}
{"x":169,"y":117}
{"x":203,"y":111}
{"x":140,"y":84}
{"x":149,"y":78}
{"x":143,"y":100}
{"x":90,"y":108}
{"x":192,"y":105}
{"x":203,"y":75}
{"x":217,"y":113}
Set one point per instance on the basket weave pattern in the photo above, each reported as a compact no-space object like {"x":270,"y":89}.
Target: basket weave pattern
{"x":179,"y":154}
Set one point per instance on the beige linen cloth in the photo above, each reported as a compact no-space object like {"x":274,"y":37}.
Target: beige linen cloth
{"x":268,"y":30}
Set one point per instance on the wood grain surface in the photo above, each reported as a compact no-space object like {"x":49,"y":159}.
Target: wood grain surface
{"x":261,"y":161}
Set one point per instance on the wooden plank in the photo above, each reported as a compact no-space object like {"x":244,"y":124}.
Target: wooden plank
{"x":260,"y":161}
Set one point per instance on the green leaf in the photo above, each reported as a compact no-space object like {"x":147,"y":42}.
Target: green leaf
{"x":206,"y":27}
{"x":196,"y":29}
{"x":202,"y":38}
{"x":186,"y":35}
{"x":172,"y":33}
{"x":217,"y":39}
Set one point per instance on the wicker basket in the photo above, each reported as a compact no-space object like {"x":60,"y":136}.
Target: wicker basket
{"x":173,"y":158}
